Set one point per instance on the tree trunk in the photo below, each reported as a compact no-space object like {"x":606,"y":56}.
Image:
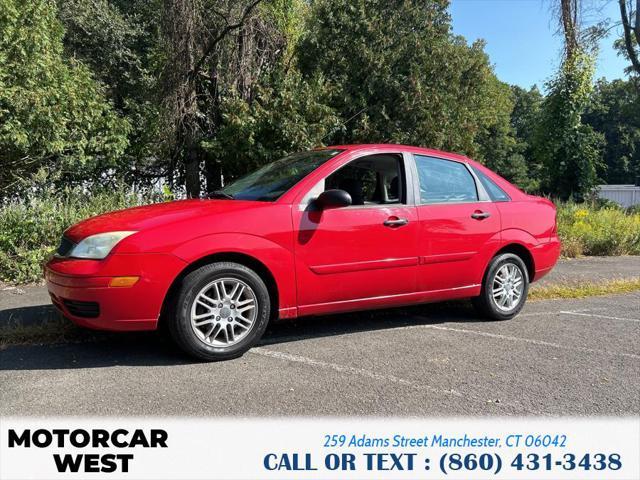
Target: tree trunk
{"x":569,"y":19}
{"x":192,"y":170}
{"x":213,"y":172}
{"x":631,"y":33}
{"x":181,"y":27}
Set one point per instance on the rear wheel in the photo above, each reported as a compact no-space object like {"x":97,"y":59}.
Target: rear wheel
{"x":504,"y":288}
{"x":221,"y":311}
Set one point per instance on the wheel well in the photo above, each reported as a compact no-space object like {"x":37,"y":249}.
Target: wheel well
{"x":246,"y":260}
{"x":524,"y":254}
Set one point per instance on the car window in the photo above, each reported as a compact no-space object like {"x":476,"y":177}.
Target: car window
{"x":271,"y":181}
{"x":372,"y":180}
{"x":495,"y":192}
{"x":444,"y":181}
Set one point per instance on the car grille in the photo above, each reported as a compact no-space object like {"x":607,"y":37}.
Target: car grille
{"x":82,"y":309}
{"x":65,"y":247}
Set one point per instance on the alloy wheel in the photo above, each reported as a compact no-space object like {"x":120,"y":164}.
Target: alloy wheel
{"x":507,"y":287}
{"x":224,"y":312}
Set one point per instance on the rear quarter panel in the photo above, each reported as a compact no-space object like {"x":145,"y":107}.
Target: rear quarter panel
{"x":532,"y":223}
{"x":537,"y":217}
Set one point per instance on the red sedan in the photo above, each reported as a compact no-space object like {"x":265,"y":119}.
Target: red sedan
{"x":330,"y":230}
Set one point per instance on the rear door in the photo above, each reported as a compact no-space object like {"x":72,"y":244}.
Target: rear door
{"x":459,"y":225}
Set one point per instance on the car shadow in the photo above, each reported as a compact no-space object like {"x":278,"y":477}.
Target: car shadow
{"x":80,"y":348}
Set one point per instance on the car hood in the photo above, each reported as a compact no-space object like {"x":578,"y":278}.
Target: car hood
{"x":151,"y":216}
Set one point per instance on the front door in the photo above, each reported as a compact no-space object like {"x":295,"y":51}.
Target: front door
{"x":350,"y":257}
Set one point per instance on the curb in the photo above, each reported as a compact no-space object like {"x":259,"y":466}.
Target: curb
{"x":27,"y":309}
{"x":20,"y":319}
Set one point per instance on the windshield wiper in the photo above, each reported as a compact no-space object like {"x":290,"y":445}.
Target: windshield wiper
{"x":220,"y":194}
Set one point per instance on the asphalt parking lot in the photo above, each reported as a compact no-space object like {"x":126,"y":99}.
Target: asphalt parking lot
{"x":559,"y":357}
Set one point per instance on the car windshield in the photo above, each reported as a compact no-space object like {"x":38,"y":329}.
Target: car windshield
{"x":270,"y":182}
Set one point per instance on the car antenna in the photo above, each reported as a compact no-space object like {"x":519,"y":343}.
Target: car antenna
{"x":344,"y":123}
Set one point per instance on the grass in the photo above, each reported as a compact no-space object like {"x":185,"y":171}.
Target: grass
{"x":589,"y":229}
{"x":51,"y":332}
{"x":584,"y":289}
{"x":30,"y":229}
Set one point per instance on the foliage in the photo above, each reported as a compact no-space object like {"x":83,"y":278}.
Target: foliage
{"x":588,"y":230}
{"x":101,"y":92}
{"x":401,"y":76}
{"x":499,"y":147}
{"x":614,"y":110}
{"x":287,"y":114}
{"x":115,"y":40}
{"x":568,"y":149}
{"x":53,"y":114}
{"x":221,"y":74}
{"x":118,"y":41}
{"x":524,"y":119}
{"x":30,"y":229}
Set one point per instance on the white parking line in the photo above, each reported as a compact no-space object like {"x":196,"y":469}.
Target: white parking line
{"x":581,"y":312}
{"x":361,"y":372}
{"x":350,"y":370}
{"x":600,"y":316}
{"x":558,"y":312}
{"x":526,"y":340}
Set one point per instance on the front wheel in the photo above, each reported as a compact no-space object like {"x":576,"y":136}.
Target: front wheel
{"x":504,"y":288}
{"x":221,"y":311}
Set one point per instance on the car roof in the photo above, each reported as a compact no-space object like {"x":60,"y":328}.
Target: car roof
{"x":395,"y":147}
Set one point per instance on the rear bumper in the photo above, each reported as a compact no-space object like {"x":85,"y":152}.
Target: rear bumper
{"x":80,"y":290}
{"x":545,"y":257}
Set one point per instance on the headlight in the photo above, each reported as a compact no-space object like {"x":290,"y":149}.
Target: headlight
{"x":98,"y":246}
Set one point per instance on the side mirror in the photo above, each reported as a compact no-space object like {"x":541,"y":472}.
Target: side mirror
{"x":333,"y":199}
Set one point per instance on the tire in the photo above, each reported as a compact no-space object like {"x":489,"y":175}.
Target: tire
{"x":502,"y":266}
{"x":210,"y":325}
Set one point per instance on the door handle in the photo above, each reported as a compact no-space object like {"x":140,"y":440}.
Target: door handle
{"x":395,"y":222}
{"x":478,"y":215}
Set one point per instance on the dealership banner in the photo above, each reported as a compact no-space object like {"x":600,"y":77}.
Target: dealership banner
{"x":320,"y":448}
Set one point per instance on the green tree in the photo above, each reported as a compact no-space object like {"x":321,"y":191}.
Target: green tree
{"x":614,"y":111}
{"x":53,"y":115}
{"x":233,"y":98}
{"x":525,"y":115}
{"x":499,"y":147}
{"x":287,"y":114}
{"x":569,"y":150}
{"x":524,"y":118}
{"x":400,"y":75}
{"x":119,"y":41}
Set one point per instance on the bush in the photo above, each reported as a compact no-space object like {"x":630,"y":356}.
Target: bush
{"x":30,"y":230}
{"x":587,"y":229}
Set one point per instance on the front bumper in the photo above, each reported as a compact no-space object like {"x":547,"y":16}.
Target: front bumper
{"x":80,"y":289}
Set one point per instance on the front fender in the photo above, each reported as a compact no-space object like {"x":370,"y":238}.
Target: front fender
{"x":275,"y":257}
